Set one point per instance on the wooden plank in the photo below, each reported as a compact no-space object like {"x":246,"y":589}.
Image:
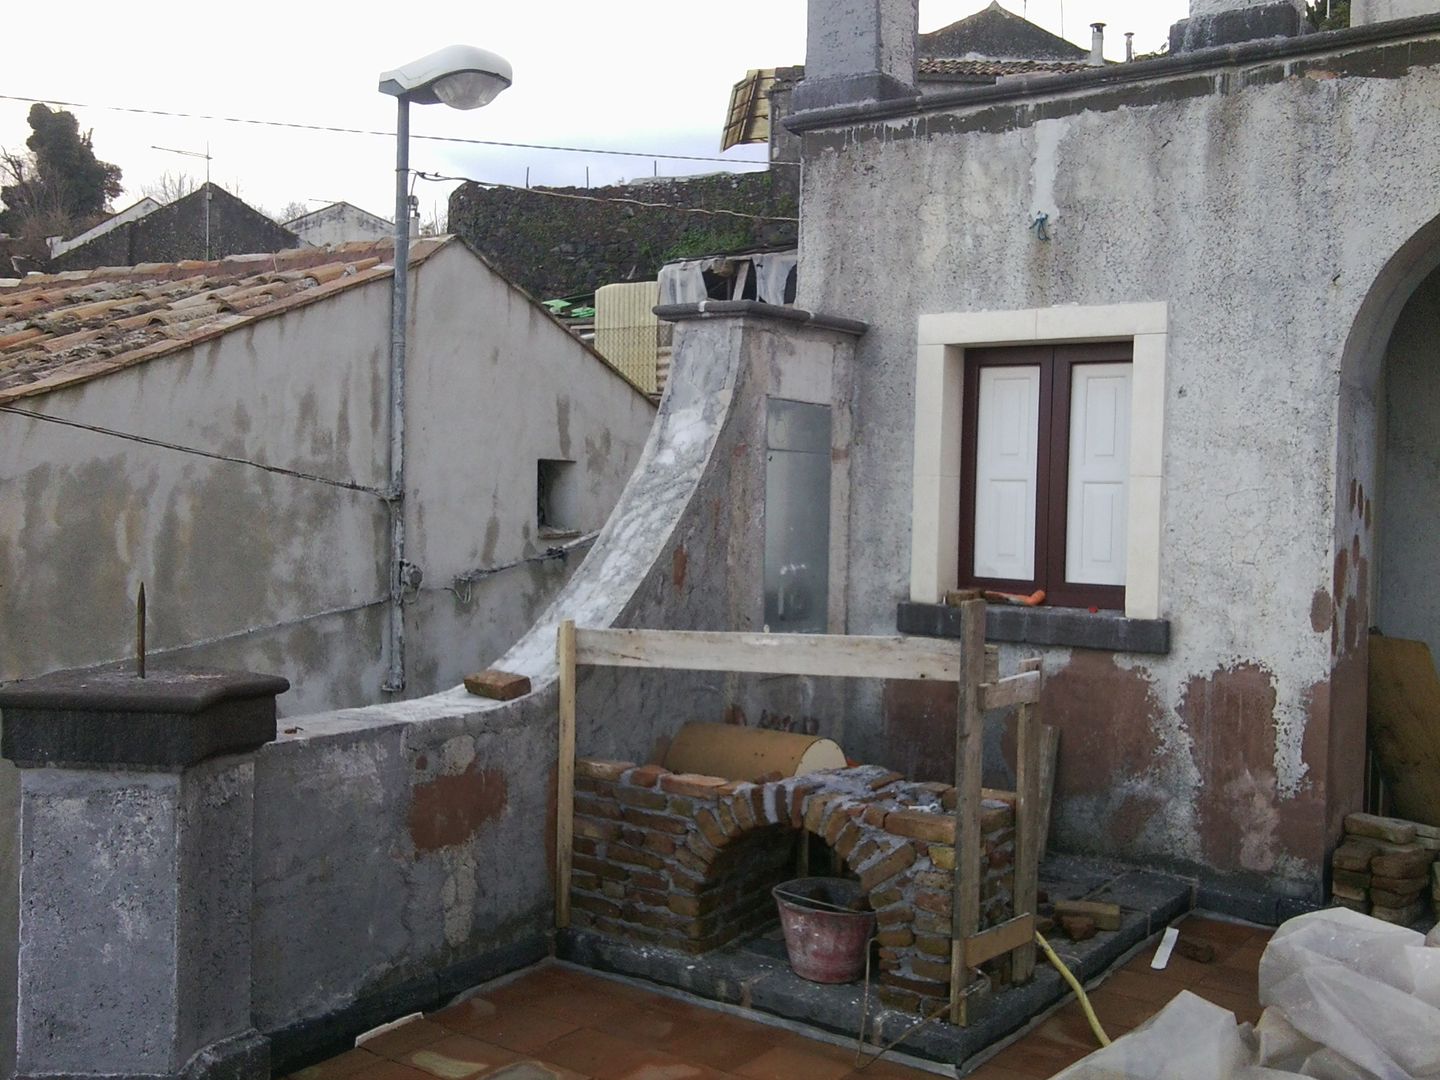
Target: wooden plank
{"x":773,"y":654}
{"x":1027,"y":828}
{"x":1013,"y":934}
{"x":565,"y":773}
{"x":1049,"y":753}
{"x":1106,"y":916}
{"x":1023,"y":689}
{"x":969,"y":735}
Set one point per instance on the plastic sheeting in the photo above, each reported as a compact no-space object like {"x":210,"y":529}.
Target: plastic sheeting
{"x":1346,"y":997}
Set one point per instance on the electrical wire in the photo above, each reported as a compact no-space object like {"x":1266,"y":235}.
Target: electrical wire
{"x":336,"y":129}
{"x":1074,"y":983}
{"x":442,"y":178}
{"x":180,"y":448}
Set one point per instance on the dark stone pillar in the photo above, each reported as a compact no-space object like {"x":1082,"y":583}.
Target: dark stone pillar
{"x":136,"y":821}
{"x":858,"y":51}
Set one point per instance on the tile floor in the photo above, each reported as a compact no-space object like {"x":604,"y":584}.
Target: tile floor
{"x":559,"y":1023}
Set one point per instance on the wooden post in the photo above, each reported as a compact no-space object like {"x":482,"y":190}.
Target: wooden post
{"x":969,"y":736}
{"x":1049,"y":752}
{"x":565,"y":773}
{"x":1027,"y":829}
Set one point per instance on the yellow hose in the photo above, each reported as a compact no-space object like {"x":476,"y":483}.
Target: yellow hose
{"x":1074,"y":985}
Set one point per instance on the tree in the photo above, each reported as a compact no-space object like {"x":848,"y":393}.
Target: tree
{"x":1328,"y":14}
{"x":59,"y":183}
{"x":168,"y":187}
{"x":290,"y":211}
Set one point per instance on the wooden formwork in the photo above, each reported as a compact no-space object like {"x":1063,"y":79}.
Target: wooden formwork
{"x":966,"y":662}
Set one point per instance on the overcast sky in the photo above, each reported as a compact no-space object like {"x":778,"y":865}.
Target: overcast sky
{"x":646,"y":75}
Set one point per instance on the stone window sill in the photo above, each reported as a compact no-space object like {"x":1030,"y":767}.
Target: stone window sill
{"x":1074,"y":627}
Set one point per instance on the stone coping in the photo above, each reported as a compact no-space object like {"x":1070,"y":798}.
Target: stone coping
{"x":1024,"y":87}
{"x":709,"y":309}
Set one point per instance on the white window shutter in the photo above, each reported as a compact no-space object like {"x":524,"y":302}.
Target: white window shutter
{"x":1005,"y":472}
{"x":1099,"y":473}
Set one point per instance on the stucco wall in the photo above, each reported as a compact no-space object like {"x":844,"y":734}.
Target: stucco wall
{"x":339,"y":223}
{"x":1260,"y":205}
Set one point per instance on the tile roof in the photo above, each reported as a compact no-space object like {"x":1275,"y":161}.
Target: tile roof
{"x":989,"y":70}
{"x":61,"y":329}
{"x":998,"y":34}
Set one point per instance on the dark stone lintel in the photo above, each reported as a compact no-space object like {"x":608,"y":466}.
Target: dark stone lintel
{"x":1072,"y":627}
{"x":710,"y":309}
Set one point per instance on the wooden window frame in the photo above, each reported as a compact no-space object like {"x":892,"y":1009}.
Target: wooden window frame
{"x":1052,"y":468}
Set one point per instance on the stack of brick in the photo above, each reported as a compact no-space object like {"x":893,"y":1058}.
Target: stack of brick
{"x":687,"y":862}
{"x":1385,"y":866}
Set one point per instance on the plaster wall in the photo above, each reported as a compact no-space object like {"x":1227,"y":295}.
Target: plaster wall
{"x":1260,"y":204}
{"x":1409,"y":525}
{"x":340,"y":223}
{"x":455,"y":793}
{"x":1373,"y":11}
{"x":1215,"y":7}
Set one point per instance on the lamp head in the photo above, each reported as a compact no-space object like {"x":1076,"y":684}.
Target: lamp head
{"x":460,"y":76}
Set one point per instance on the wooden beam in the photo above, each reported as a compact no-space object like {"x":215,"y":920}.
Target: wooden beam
{"x":1013,"y":934}
{"x":1049,"y":752}
{"x":969,"y":736}
{"x":1027,"y":828}
{"x":1023,"y":689}
{"x":565,"y":773}
{"x":773,"y":654}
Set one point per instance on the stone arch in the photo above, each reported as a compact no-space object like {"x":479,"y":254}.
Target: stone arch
{"x":680,"y":860}
{"x":1359,"y":505}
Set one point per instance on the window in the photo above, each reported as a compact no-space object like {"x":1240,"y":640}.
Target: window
{"x":557,"y":499}
{"x":1045,"y":471}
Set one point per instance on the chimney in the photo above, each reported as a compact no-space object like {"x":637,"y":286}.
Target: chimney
{"x":858,"y":52}
{"x":1225,"y":22}
{"x":1129,"y":45}
{"x":1364,"y":12}
{"x":1097,"y":44}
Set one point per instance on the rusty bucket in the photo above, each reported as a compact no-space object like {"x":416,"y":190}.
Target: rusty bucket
{"x":825,"y":935}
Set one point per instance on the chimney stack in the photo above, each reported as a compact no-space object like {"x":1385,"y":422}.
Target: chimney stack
{"x":1097,"y":44}
{"x":1225,"y":22}
{"x":858,"y":52}
{"x":1129,"y":45}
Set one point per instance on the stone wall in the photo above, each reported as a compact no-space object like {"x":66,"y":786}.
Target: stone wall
{"x":687,"y":862}
{"x":554,"y":247}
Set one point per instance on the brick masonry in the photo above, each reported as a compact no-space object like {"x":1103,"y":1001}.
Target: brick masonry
{"x":687,"y":862}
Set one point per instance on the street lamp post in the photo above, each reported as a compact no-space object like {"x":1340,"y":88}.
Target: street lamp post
{"x":462,"y":77}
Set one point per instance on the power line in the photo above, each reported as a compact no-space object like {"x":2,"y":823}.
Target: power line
{"x":441,"y":178}
{"x":46,"y":417}
{"x":369,"y":131}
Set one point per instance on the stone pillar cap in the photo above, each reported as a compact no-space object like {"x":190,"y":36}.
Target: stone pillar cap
{"x":107,"y":716}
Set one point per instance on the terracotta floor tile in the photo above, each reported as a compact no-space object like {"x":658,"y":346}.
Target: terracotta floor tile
{"x":641,"y":1025}
{"x":391,"y":1070}
{"x":989,"y":1072}
{"x":722,"y":1042}
{"x":605,"y":1057}
{"x":580,"y":1005}
{"x":680,"y":1070}
{"x":459,"y":1057}
{"x":800,"y":1057}
{"x":337,"y":1068}
{"x":518,"y":1028}
{"x":1037,"y":1056}
{"x":886,"y":1069}
{"x":398,"y":1042}
{"x":534,"y":1070}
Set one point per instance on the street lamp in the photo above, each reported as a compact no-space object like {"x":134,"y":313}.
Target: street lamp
{"x":462,"y":77}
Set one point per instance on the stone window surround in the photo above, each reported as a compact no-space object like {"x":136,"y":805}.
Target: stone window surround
{"x":939,"y":382}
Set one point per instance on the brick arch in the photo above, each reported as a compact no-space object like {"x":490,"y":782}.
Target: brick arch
{"x":656,"y":859}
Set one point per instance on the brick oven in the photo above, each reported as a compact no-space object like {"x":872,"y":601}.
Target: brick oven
{"x":686,"y":862}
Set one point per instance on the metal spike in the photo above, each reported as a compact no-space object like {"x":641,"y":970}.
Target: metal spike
{"x":140,"y":633}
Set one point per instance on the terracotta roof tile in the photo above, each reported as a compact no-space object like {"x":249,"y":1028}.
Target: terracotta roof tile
{"x":59,"y":329}
{"x":994,"y":69}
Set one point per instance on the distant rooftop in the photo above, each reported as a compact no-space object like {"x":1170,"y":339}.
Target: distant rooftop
{"x":997,"y":34}
{"x":61,"y":329}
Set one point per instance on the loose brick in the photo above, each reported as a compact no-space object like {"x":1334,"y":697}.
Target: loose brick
{"x":942,"y":857}
{"x":931,"y":969}
{"x":593,"y":806}
{"x":900,"y":915}
{"x":641,"y":797}
{"x":1413,"y":863}
{"x":920,"y":825}
{"x":899,"y":999}
{"x":1342,"y":891}
{"x":896,"y":938}
{"x":874,"y":815}
{"x":1353,"y":878}
{"x":1078,"y":927}
{"x":693,"y":785}
{"x":1399,"y":916}
{"x":1401,"y":885}
{"x":995,"y":816}
{"x":927,"y":987}
{"x":596,"y":769}
{"x":884,"y":780}
{"x":1381,"y":828}
{"x":1354,"y":854}
{"x":847,"y":838}
{"x":899,"y":859}
{"x":950,"y":799}
{"x":646,"y":776}
{"x":1362,"y":906}
{"x":646,"y":820}
{"x":497,"y":684}
{"x":1385,"y":898}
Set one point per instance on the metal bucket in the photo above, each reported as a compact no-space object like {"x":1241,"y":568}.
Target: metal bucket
{"x":824,"y":934}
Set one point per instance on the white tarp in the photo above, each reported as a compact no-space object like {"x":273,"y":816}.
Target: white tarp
{"x":1346,"y":997}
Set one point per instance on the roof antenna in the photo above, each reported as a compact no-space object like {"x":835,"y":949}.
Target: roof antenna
{"x":140,"y":633}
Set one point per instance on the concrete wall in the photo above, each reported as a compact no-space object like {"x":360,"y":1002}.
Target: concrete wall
{"x":1373,"y":11}
{"x":250,"y":569}
{"x":339,"y":223}
{"x":1261,"y":205}
{"x":1409,"y":527}
{"x":425,"y":863}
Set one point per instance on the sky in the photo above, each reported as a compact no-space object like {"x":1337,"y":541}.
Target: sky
{"x":652,"y":76}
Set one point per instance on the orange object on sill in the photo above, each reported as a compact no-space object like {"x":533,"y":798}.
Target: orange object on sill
{"x":1035,"y":599}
